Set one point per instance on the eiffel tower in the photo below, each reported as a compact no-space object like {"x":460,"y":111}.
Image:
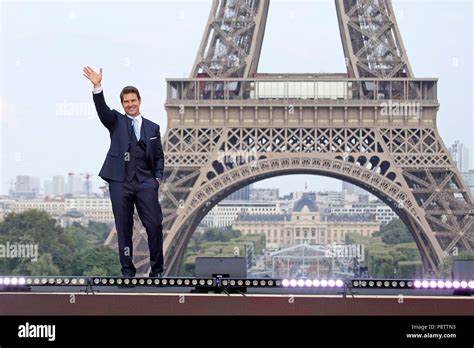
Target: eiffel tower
{"x":373,"y":126}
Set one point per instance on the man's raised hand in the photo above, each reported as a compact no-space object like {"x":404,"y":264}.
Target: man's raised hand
{"x":93,"y":77}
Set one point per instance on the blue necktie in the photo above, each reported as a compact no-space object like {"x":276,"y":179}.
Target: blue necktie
{"x":136,"y":129}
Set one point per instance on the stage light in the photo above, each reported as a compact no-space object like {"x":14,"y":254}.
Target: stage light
{"x":339,"y":283}
{"x":440,"y":284}
{"x":448,"y":284}
{"x":463,"y":284}
{"x":293,"y":282}
{"x":285,"y":283}
{"x":432,"y":284}
{"x":456,"y":284}
{"x":471,"y":284}
{"x":425,"y":284}
{"x":300,"y":282}
{"x":331,"y":283}
{"x":324,"y":283}
{"x":308,"y":282}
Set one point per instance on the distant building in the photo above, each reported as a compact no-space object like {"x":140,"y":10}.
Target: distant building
{"x":460,"y":154}
{"x":305,"y":224}
{"x":58,"y":185}
{"x":225,"y":212}
{"x":242,"y":194}
{"x":264,"y":194}
{"x":350,"y":188}
{"x":96,"y":209}
{"x":382,"y":212}
{"x":469,"y":179}
{"x":75,"y":184}
{"x":48,"y":188}
{"x":329,"y":197}
{"x":26,"y":187}
{"x":72,"y":216}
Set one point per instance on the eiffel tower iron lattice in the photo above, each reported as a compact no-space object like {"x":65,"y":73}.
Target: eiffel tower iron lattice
{"x":374,"y":127}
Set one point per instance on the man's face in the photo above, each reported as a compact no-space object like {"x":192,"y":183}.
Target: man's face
{"x":131,"y":104}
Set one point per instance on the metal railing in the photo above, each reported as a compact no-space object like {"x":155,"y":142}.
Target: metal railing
{"x":267,"y":89}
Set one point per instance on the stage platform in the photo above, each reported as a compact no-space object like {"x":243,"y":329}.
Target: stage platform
{"x":132,"y":302}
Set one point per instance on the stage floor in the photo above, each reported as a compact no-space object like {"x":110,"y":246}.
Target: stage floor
{"x":132,"y":302}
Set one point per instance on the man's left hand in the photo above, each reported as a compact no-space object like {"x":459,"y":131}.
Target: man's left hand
{"x":159,"y":181}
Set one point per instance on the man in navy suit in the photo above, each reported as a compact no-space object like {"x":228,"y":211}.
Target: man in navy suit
{"x":133,"y":168}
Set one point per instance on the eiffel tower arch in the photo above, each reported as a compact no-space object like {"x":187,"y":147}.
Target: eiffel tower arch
{"x":373,"y":126}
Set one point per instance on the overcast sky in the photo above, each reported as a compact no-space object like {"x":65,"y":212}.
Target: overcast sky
{"x":44,"y":46}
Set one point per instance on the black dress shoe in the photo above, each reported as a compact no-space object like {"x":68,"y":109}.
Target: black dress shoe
{"x":156,"y":275}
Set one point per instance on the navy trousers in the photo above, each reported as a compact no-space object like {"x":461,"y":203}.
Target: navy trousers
{"x":124,"y":196}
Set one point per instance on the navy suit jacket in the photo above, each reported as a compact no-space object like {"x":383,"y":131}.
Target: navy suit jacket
{"x":119,"y":127}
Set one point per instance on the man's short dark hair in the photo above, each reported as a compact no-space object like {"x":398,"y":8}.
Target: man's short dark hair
{"x":130,"y":89}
